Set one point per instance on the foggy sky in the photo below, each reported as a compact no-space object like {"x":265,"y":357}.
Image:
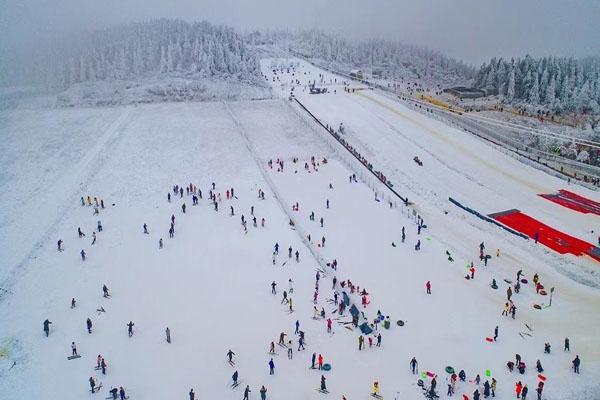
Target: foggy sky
{"x":471,"y":30}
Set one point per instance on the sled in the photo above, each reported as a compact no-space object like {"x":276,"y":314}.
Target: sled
{"x":430,"y":374}
{"x":74,"y":357}
{"x":537,"y":306}
{"x":449,"y":369}
{"x":489,"y":339}
{"x":326,"y":367}
{"x":543,"y":292}
{"x":420,"y":383}
{"x":541,"y":377}
{"x":524,"y":281}
{"x":400,"y":322}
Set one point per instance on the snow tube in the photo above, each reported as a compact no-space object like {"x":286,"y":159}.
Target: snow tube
{"x":524,"y":281}
{"x":488,"y":373}
{"x":400,"y":322}
{"x":489,"y":339}
{"x":541,"y":377}
{"x":430,"y":374}
{"x":465,"y":397}
{"x":420,"y":383}
{"x":449,"y":369}
{"x":537,"y":306}
{"x":326,"y":367}
{"x":543,"y":292}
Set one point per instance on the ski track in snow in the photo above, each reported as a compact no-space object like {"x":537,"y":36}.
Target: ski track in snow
{"x":84,"y":171}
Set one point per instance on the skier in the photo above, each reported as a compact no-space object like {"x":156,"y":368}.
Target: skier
{"x":130,"y":326}
{"x":361,"y":342}
{"x":230,"y":355}
{"x":160,"y":243}
{"x":271,"y":367}
{"x":524,"y":392}
{"x":99,"y":226}
{"x":547,"y":348}
{"x":146,"y":229}
{"x":567,"y":347}
{"x":192,"y":394}
{"x":538,"y":366}
{"x":276,"y":248}
{"x":73,"y":348}
{"x":576,"y":363}
{"x":234,"y":377}
{"x":263,"y":393}
{"x":168,"y":334}
{"x":414,"y":366}
{"x":379,"y":340}
{"x":518,"y":389}
{"x":418,"y":245}
{"x":272,"y":348}
{"x":313,"y":359}
{"x":59,"y":245}
{"x":103,"y":366}
{"x":92,"y":384}
{"x":246,"y":392}
{"x":82,"y":255}
{"x":428,"y":287}
{"x":273,"y":291}
{"x":329,"y":325}
{"x":93,"y":238}
{"x":47,"y":327}
{"x":321,"y":221}
{"x":73,"y":303}
{"x":297,"y":256}
{"x":496,"y":333}
{"x":105,"y":291}
{"x":297,"y":327}
{"x":89,"y":325}
{"x":323,"y":387}
{"x":81,"y":234}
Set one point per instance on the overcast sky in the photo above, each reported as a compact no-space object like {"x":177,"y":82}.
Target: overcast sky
{"x":472,"y":30}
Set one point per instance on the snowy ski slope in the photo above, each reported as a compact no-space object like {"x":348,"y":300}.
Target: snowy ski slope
{"x":210,"y":284}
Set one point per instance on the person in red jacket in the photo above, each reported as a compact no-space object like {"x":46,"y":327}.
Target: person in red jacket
{"x":518,"y":389}
{"x":320,"y":361}
{"x":428,"y":287}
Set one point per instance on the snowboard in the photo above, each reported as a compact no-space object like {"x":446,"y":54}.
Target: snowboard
{"x":73,"y":357}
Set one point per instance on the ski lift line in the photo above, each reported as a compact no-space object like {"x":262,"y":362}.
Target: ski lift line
{"x":508,"y":125}
{"x":354,"y":155}
{"x":280,"y":199}
{"x":533,"y":131}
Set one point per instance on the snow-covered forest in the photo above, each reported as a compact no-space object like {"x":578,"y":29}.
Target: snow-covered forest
{"x":558,"y":84}
{"x":395,"y":59}
{"x":132,"y":50}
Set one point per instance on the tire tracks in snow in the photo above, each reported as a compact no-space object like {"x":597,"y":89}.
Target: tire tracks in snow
{"x":84,"y":171}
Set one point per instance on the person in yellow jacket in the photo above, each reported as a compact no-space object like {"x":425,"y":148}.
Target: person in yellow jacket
{"x":375,"y":388}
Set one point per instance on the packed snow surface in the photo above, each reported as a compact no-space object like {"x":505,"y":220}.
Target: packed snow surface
{"x":211,"y":283}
